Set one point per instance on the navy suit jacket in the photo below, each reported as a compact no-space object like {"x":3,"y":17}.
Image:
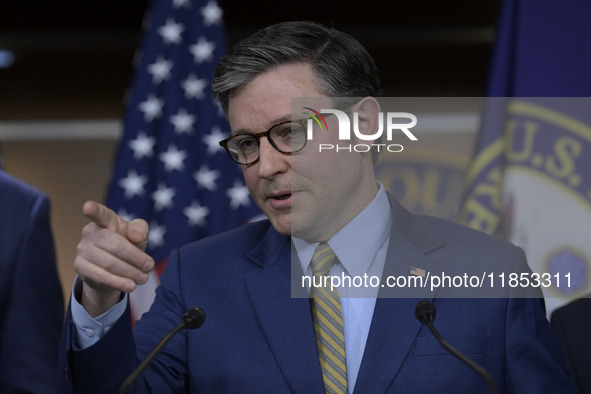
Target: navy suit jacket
{"x":31,"y":300}
{"x":258,"y":339}
{"x":572,"y":326}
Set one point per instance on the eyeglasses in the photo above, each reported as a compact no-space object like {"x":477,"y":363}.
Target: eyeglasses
{"x":286,"y":137}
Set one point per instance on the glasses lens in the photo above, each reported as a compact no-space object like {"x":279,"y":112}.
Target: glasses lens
{"x":289,"y":137}
{"x":243,"y":148}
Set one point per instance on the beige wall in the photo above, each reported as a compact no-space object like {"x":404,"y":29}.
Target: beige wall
{"x":70,"y":172}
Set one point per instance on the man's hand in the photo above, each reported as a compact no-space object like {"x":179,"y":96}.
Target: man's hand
{"x":110,"y":257}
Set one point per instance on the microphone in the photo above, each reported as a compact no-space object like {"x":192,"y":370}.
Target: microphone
{"x":193,"y":318}
{"x":425,"y":313}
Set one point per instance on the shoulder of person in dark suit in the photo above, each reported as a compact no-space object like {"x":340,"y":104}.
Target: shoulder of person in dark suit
{"x":31,"y":300}
{"x":571,"y":324}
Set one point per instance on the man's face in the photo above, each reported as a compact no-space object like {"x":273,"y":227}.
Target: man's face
{"x":310,"y":194}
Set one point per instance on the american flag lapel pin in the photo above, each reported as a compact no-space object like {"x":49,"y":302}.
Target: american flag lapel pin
{"x":417,"y":272}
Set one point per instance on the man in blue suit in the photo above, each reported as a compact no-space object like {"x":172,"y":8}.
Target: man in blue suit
{"x":31,"y":300}
{"x":261,"y":335}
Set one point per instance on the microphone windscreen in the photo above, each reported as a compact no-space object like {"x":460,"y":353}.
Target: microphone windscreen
{"x":194,"y":318}
{"x":425,"y":312}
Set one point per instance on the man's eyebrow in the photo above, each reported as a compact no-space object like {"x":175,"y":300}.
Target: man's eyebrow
{"x":281,"y":119}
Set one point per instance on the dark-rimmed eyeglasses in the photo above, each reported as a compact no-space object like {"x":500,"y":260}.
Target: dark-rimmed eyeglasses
{"x":286,"y":137}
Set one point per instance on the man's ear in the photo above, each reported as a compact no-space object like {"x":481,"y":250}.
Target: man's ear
{"x":368,"y":112}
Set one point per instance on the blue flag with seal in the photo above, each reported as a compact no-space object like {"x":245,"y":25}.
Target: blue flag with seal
{"x":170,"y":169}
{"x":530,"y":178}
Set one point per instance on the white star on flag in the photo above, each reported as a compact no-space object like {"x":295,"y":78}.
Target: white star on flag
{"x":194,"y":87}
{"x":163,"y":197}
{"x":182,"y":121}
{"x":239,"y":195}
{"x":160,"y":70}
{"x":181,"y":3}
{"x":142,"y":146}
{"x":206,"y":178}
{"x":213,"y":139}
{"x":156,"y":235}
{"x":220,"y":109}
{"x":196,"y":214}
{"x":173,"y":159}
{"x":171,"y":32}
{"x":152,"y":108}
{"x":133,"y":184}
{"x":212,"y":14}
{"x":202,"y":50}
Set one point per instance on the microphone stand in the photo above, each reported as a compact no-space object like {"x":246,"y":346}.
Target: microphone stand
{"x":193,"y":318}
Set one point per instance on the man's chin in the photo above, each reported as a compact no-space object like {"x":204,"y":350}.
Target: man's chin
{"x":281,"y":225}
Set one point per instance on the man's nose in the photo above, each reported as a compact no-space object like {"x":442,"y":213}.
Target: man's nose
{"x":271,"y":161}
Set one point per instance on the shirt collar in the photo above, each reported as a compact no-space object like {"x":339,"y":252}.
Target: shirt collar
{"x":357,"y":243}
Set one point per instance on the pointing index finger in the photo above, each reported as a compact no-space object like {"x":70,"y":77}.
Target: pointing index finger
{"x":104,"y":217}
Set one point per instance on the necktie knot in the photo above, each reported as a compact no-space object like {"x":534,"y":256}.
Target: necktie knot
{"x":323,"y":259}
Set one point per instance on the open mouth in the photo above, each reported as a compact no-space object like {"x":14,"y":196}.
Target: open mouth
{"x":282,"y":197}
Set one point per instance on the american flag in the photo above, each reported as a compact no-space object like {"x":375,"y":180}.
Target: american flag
{"x":169,"y":168}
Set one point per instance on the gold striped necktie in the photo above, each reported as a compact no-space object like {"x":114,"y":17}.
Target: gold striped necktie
{"x":328,"y":323}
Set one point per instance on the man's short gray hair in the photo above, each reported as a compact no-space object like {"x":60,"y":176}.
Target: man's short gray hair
{"x":342,"y":66}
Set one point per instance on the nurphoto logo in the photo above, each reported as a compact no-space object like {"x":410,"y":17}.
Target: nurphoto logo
{"x":394,"y":122}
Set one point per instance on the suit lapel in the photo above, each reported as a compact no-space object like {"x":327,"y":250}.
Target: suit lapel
{"x":394,"y":326}
{"x":286,"y":322}
{"x":393,"y":330}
